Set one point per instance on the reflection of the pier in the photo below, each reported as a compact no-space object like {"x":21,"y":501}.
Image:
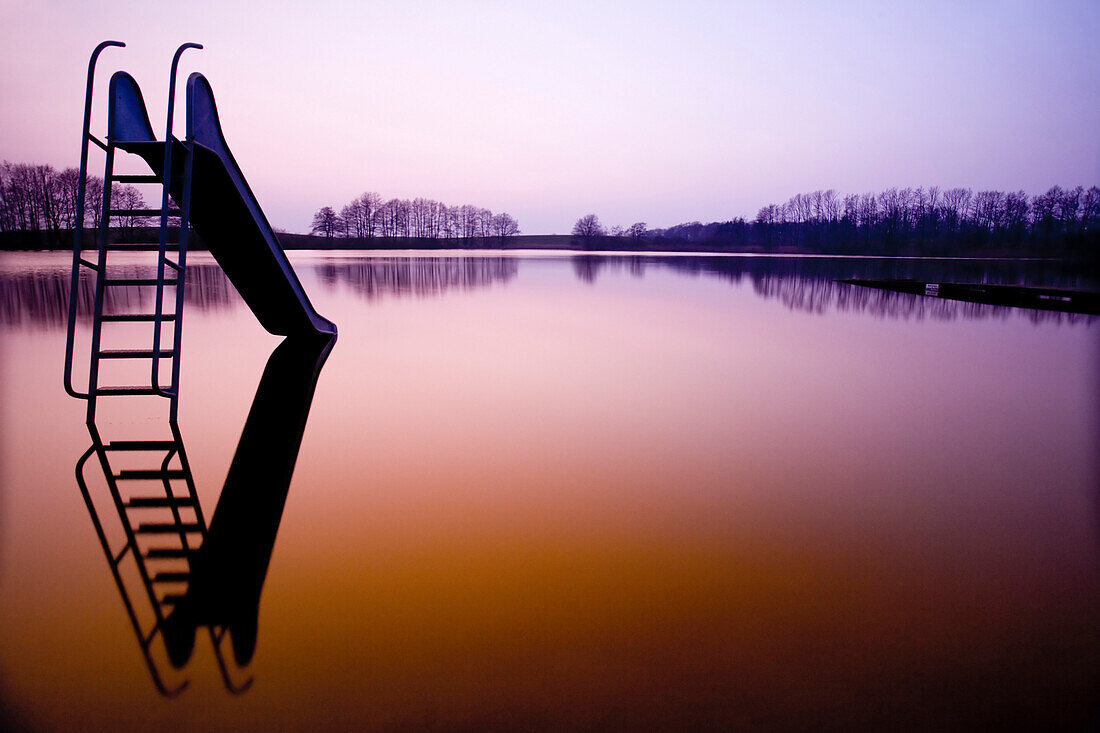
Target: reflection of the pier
{"x":39,"y":298}
{"x":173,"y":571}
{"x":810,"y":284}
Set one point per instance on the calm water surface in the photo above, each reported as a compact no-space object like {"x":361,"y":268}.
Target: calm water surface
{"x":562,"y":492}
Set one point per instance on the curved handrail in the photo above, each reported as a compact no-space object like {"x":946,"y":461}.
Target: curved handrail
{"x":227,"y":679}
{"x":162,"y":688}
{"x":168,"y":139}
{"x":78,"y":227}
{"x":172,"y":97}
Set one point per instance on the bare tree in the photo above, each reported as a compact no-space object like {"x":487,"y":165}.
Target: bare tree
{"x":348,"y":217}
{"x":767,"y":215}
{"x":956,"y":202}
{"x":830,"y":205}
{"x":988,"y":208}
{"x":326,"y":222}
{"x":505,"y":226}
{"x":1015,"y":211}
{"x":468,"y":219}
{"x":128,"y":198}
{"x":68,"y":186}
{"x":1090,"y":210}
{"x":8,"y":217}
{"x":851,"y":208}
{"x":1069,"y":203}
{"x":93,"y":202}
{"x":24,"y":210}
{"x":419,"y":216}
{"x":449,"y":222}
{"x":484,"y":223}
{"x":588,"y":227}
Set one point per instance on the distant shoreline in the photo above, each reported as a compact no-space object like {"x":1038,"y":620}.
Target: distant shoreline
{"x":51,"y":241}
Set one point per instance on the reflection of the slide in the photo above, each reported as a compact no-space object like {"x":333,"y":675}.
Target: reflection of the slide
{"x":175,"y":573}
{"x":228,"y":571}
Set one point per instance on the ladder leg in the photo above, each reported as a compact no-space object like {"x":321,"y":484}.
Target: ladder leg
{"x":184,"y":236}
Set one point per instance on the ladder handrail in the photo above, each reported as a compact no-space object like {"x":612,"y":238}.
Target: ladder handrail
{"x":181,"y":283}
{"x":162,"y":251}
{"x":78,"y":227}
{"x":101,"y":268}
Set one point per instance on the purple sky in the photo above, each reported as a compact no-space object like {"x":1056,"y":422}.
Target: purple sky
{"x":637,"y":111}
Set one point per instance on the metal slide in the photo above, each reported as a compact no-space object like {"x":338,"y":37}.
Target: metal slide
{"x":223,"y":210}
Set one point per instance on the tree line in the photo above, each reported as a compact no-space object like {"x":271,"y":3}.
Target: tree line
{"x":931,"y":221}
{"x":40,"y":198}
{"x":368,"y":216}
{"x":37,"y":198}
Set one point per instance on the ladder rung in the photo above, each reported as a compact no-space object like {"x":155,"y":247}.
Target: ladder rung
{"x":167,"y":553}
{"x":172,"y":577}
{"x":119,"y":391}
{"x":138,"y":281}
{"x":147,"y":473}
{"x":167,"y":528}
{"x":91,"y":265}
{"x":136,"y":317}
{"x":171,"y":599}
{"x":141,"y":212}
{"x":146,"y":178}
{"x":158,"y":502}
{"x":134,"y":353}
{"x":174,"y":265}
{"x":141,"y":445}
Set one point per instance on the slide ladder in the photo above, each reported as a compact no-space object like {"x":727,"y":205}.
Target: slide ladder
{"x":151,"y":345}
{"x":145,"y":510}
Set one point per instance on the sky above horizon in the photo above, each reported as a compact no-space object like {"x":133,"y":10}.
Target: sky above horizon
{"x":634,"y":111}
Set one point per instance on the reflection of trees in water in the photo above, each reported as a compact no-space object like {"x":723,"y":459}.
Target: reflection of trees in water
{"x":419,"y":276}
{"x":41,"y":298}
{"x":37,"y":299}
{"x":209,"y":289}
{"x":587,"y":267}
{"x":810,"y":284}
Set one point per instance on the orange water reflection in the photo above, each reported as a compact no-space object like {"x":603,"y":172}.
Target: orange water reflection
{"x":633,"y":500}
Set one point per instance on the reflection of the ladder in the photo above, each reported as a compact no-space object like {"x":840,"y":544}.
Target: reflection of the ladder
{"x":149,"y":482}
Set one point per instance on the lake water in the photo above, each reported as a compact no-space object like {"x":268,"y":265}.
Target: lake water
{"x":585,"y":492}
